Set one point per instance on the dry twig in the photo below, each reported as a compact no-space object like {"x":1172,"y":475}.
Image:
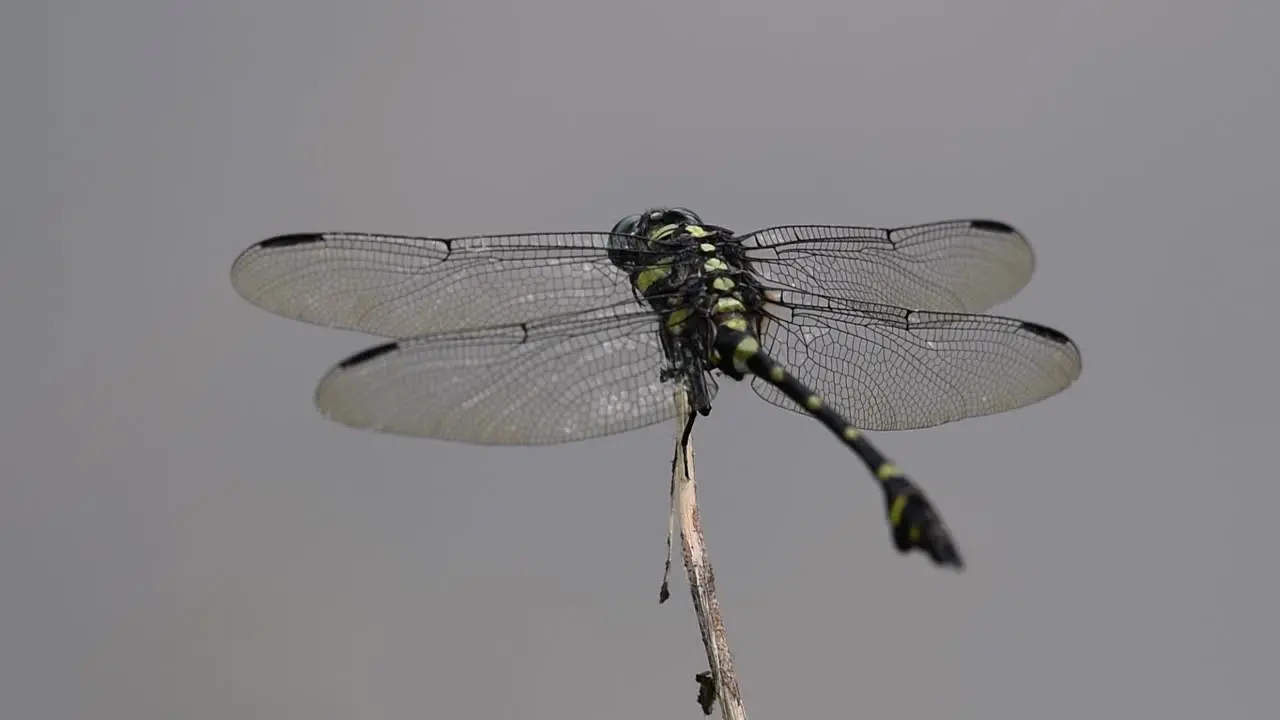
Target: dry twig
{"x":719,"y":683}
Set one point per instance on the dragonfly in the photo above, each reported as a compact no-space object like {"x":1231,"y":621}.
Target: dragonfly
{"x":544,"y":338}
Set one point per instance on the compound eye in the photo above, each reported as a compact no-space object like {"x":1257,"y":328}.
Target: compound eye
{"x":689,"y":217}
{"x":627,"y":225}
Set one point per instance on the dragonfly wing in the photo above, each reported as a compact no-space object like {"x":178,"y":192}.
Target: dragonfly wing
{"x":535,"y":383}
{"x":964,"y":266}
{"x":890,"y":368}
{"x":397,"y":286}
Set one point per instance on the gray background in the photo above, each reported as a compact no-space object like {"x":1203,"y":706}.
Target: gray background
{"x":182,"y":536}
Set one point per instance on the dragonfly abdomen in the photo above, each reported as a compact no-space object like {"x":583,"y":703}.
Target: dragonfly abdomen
{"x":913,"y":522}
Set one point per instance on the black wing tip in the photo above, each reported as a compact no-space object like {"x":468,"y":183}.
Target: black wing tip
{"x":1046,"y":332}
{"x":993,"y":226}
{"x":281,"y":241}
{"x":365,"y":356}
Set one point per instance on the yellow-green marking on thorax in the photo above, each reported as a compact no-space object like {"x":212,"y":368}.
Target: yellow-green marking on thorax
{"x":677,"y":318}
{"x":654,"y":273}
{"x":663,"y":232}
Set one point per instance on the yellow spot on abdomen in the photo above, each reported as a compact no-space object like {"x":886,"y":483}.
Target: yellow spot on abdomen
{"x":895,"y":510}
{"x":745,"y":350}
{"x":729,"y":304}
{"x":777,"y":374}
{"x":851,"y":434}
{"x":813,"y":402}
{"x":888,"y":471}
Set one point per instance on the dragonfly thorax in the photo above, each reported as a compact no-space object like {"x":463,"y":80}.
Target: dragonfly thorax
{"x":697,"y":279}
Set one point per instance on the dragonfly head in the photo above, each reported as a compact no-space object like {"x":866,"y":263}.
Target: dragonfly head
{"x":644,"y":223}
{"x":635,"y":251}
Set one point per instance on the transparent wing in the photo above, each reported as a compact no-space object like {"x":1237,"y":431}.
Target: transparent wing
{"x":396,"y":286}
{"x":962,"y":266}
{"x":888,"y":368}
{"x":537,"y":383}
